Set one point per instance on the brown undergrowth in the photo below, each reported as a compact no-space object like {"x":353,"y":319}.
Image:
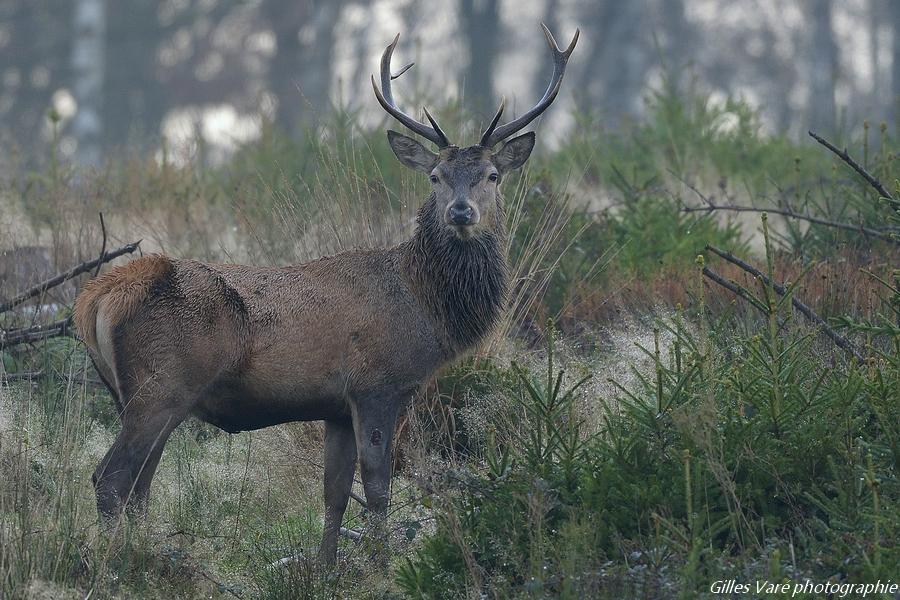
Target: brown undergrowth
{"x":835,"y":285}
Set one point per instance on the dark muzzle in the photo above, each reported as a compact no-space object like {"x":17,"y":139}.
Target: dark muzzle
{"x":461,"y":214}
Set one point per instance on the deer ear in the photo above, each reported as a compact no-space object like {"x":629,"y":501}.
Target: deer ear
{"x":514,"y":153}
{"x":411,"y":153}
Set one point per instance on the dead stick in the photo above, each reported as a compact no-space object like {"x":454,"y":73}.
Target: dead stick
{"x":356,"y":497}
{"x":34,"y":334}
{"x":350,"y":534}
{"x":727,"y":284}
{"x":735,"y":288}
{"x":809,"y":313}
{"x":842,"y":154}
{"x":42,"y":326}
{"x":102,"y":246}
{"x":882,"y":235}
{"x":22,"y":376}
{"x":63,"y":277}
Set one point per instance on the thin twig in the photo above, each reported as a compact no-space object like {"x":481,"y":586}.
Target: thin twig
{"x":63,"y":277}
{"x":882,"y":235}
{"x":842,"y":154}
{"x":809,"y":313}
{"x":733,"y":287}
{"x":742,"y":292}
{"x":706,"y":200}
{"x":102,"y":246}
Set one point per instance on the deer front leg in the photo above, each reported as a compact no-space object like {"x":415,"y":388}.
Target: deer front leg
{"x":340,"y":465}
{"x":373,"y":423}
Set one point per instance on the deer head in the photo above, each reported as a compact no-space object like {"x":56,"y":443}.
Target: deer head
{"x":465,"y":180}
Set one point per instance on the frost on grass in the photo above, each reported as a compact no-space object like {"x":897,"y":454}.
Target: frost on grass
{"x":626,"y":358}
{"x":41,"y":589}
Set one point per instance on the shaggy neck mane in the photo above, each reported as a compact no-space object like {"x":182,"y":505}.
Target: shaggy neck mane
{"x":462,"y":282}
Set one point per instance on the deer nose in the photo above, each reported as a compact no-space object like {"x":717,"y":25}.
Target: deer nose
{"x":460,"y":213}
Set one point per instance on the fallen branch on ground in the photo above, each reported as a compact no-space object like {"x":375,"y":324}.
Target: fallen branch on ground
{"x":356,"y":497}
{"x":809,"y":313}
{"x":22,"y":376}
{"x":63,"y":277}
{"x":351,"y":534}
{"x":14,"y":337}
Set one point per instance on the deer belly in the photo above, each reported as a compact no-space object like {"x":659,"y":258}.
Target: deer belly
{"x":235,"y":408}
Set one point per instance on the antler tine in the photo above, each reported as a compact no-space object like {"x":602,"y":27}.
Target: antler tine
{"x":555,"y":47}
{"x":560,"y":59}
{"x":386,"y":98}
{"x":486,"y":136}
{"x":437,"y":128}
{"x":402,"y":71}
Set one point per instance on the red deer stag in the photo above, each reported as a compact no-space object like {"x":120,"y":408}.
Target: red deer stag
{"x":345,"y":339}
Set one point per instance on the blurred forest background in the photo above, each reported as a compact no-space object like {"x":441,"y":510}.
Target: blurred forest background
{"x":129,"y":74}
{"x":698,"y":375}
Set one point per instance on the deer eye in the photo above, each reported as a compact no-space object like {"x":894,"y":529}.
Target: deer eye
{"x":493,"y":177}
{"x":434,"y":179}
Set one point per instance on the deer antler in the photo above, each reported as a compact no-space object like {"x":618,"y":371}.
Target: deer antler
{"x":494,"y":134}
{"x":386,"y":99}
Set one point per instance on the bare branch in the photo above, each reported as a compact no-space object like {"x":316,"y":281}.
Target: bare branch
{"x":876,"y":233}
{"x":63,"y":277}
{"x":360,"y":500}
{"x":809,"y":313}
{"x":102,"y":246}
{"x":14,"y":337}
{"x":737,"y":289}
{"x":22,"y":376}
{"x":842,"y":154}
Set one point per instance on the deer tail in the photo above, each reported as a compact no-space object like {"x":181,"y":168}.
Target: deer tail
{"x":115,"y":296}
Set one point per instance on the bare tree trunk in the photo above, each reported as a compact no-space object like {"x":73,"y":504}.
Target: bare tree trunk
{"x":316,"y":65}
{"x":88,"y":65}
{"x":621,"y":55}
{"x":286,"y":22}
{"x":34,"y":63}
{"x":679,"y":37}
{"x":894,"y":98}
{"x":480,"y":22}
{"x":823,"y":65}
{"x":134,"y":102}
{"x":876,"y":14}
{"x":300,"y":72}
{"x":359,"y":84}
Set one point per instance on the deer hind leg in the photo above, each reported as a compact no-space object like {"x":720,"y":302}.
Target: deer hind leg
{"x":154,"y":405}
{"x":122,"y":479}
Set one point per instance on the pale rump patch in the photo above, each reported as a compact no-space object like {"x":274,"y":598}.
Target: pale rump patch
{"x":121,"y":291}
{"x":103,"y":335}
